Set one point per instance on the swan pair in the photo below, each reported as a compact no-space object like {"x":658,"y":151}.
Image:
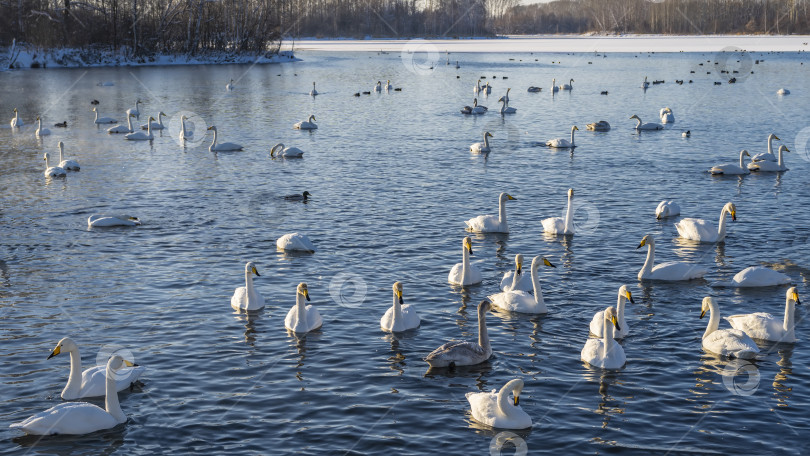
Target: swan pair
{"x":491,"y":223}
{"x":703,"y":231}
{"x":517,"y":300}
{"x":605,"y":352}
{"x":52,"y":171}
{"x":646,"y":126}
{"x":40,"y":132}
{"x":496,"y":410}
{"x":141,"y":136}
{"x":463,"y":353}
{"x":481,"y":147}
{"x":671,"y":271}
{"x":562,"y":143}
{"x":622,"y":329}
{"x":222,"y":147}
{"x":308,"y":124}
{"x":474,"y":109}
{"x":770,"y":166}
{"x":764,"y":326}
{"x":155,"y":125}
{"x":247,"y":298}
{"x":400,"y":316}
{"x":122,"y":128}
{"x":732,"y":168}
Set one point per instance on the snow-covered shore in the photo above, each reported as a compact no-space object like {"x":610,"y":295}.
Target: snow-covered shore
{"x":569,"y":43}
{"x":22,"y":56}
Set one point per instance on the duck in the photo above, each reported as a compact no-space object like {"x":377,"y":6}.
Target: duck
{"x":122,"y":128}
{"x":769,"y":166}
{"x":465,"y":273}
{"x":562,"y":143}
{"x":602,"y":125}
{"x":16,"y":121}
{"x":104,"y":221}
{"x":605,"y":352}
{"x":703,"y":231}
{"x":295,"y":242}
{"x":670,"y":272}
{"x":732,"y":343}
{"x":91,"y":382}
{"x":308,"y":124}
{"x":52,"y":171}
{"x":769,"y":155}
{"x":461,"y":353}
{"x":491,"y":223}
{"x":667,"y":116}
{"x":496,"y":410}
{"x":732,"y":168}
{"x":757,"y":276}
{"x":299,"y":197}
{"x":764,"y":326}
{"x":378,"y":87}
{"x":288,"y":152}
{"x":78,"y":418}
{"x":141,"y":136}
{"x":247,"y":298}
{"x":222,"y":147}
{"x":523,"y":301}
{"x":686,"y":134}
{"x":67,"y":165}
{"x":515,"y":280}
{"x":667,"y":208}
{"x":61,"y":124}
{"x":400,"y":316}
{"x":39,"y":132}
{"x":302,"y":318}
{"x":135,"y":111}
{"x":646,"y":126}
{"x":560,"y":225}
{"x":783,"y":91}
{"x":481,"y":147}
{"x":95,"y":102}
{"x":155,"y":125}
{"x":103,"y":120}
{"x":622,"y":329}
{"x":314,"y":92}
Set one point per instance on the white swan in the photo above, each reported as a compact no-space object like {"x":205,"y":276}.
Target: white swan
{"x":462,"y":353}
{"x":645,"y":84}
{"x":568,"y":86}
{"x":554,"y":87}
{"x":481,"y":147}
{"x":491,"y":223}
{"x":388,"y":85}
{"x":229,"y":86}
{"x":597,"y":323}
{"x":486,"y":89}
{"x":562,"y":143}
{"x":184,"y":134}
{"x":227,"y":146}
{"x":671,"y":271}
{"x":67,"y":165}
{"x":313,"y":92}
{"x":769,"y":155}
{"x":286,"y":152}
{"x":400,"y":316}
{"x":295,"y":241}
{"x":141,"y":136}
{"x":783,"y":91}
{"x":302,"y":318}
{"x":769,"y":166}
{"x":646,"y":126}
{"x":497,"y":411}
{"x":477,"y":87}
{"x":103,"y":120}
{"x":667,"y":116}
{"x":80,"y":417}
{"x":103,"y":221}
{"x":732,"y":168}
{"x":523,"y":301}
{"x":41,"y":131}
{"x":505,"y":108}
{"x":605,"y":352}
{"x":122,"y":128}
{"x":764,"y":326}
{"x":727,"y":342}
{"x":516,"y":280}
{"x":135,"y":111}
{"x":378,"y":87}
{"x":465,"y":273}
{"x":667,"y":208}
{"x":52,"y":171}
{"x":559,"y":225}
{"x":16,"y":121}
{"x":703,"y":231}
{"x":308,"y":124}
{"x":247,"y":298}
{"x":757,"y":276}
{"x":91,"y":382}
{"x":602,"y":125}
{"x":155,"y":125}
{"x":474,"y":109}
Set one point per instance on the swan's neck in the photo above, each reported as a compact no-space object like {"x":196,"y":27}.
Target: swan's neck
{"x":302,"y":308}
{"x":714,"y":321}
{"x":214,"y":142}
{"x":465,"y":265}
{"x":47,"y":164}
{"x":620,"y":311}
{"x":61,"y":152}
{"x":569,"y":211}
{"x":182,"y":128}
{"x":160,"y":120}
{"x":111,"y":403}
{"x":74,"y":383}
{"x":721,"y":227}
{"x":397,"y":312}
{"x":486,"y":141}
{"x":149,"y":128}
{"x":503,"y":106}
{"x":572,"y":136}
{"x":770,"y":144}
{"x":742,"y":166}
{"x":504,"y":405}
{"x":129,"y":122}
{"x":607,"y":336}
{"x":39,"y":124}
{"x":483,"y":337}
{"x":648,"y":263}
{"x":251,"y":292}
{"x":96,"y":115}
{"x":538,"y":292}
{"x":516,"y":279}
{"x":502,"y":213}
{"x":788,"y":324}
{"x":638,"y":122}
{"x":780,"y":158}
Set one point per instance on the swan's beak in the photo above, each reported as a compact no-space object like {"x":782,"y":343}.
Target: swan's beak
{"x":306,"y":294}
{"x":615,"y":322}
{"x":643,"y":243}
{"x":399,"y":295}
{"x":129,"y":364}
{"x":519,"y":268}
{"x":796,"y":298}
{"x":55,"y":352}
{"x":256,"y":272}
{"x":548,"y":263}
{"x":630,"y":298}
{"x":510,"y":197}
{"x":774,"y":136}
{"x":517,"y":401}
{"x":733,"y":216}
{"x":702,"y":313}
{"x":210,"y":128}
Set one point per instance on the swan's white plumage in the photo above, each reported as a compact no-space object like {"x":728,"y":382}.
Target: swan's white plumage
{"x":481,"y":147}
{"x":605,"y":352}
{"x":103,"y":120}
{"x":308,"y":124}
{"x":39,"y":132}
{"x":465,"y":273}
{"x":704,"y":231}
{"x":52,"y":171}
{"x":524,"y":281}
{"x":523,"y":301}
{"x":286,"y":152}
{"x":562,"y":143}
{"x":141,"y":136}
{"x":667,"y":116}
{"x":16,"y":121}
{"x":495,"y":410}
{"x":769,"y":155}
{"x":67,"y":165}
{"x":732,"y":168}
{"x":302,"y":318}
{"x":221,"y":147}
{"x":295,"y":241}
{"x":758,"y":276}
{"x":122,"y":128}
{"x":400,"y":316}
{"x":771,"y":166}
{"x":671,"y":271}
{"x":155,"y":125}
{"x":646,"y":126}
{"x":667,"y":208}
{"x":597,"y":322}
{"x":764,"y":326}
{"x":491,"y":223}
{"x":561,"y":225}
{"x":726,"y":342}
{"x":247,"y":298}
{"x":135,"y":112}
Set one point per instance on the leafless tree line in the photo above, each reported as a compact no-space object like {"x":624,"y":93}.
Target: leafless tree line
{"x":141,"y":27}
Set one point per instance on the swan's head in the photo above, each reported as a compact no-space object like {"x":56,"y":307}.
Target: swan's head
{"x":15,"y":110}
{"x":398,"y":291}
{"x":312,"y":118}
{"x":488,"y":134}
{"x":468,"y":244}
{"x":745,"y":153}
{"x":507,"y":91}
{"x":574,"y":128}
{"x":648,"y":239}
{"x":516,"y":387}
{"x":518,"y":263}
{"x":783,"y":148}
{"x":501,"y":100}
{"x":132,"y":115}
{"x":635,"y":117}
{"x":793,"y":293}
{"x":277,"y":146}
{"x":505,"y":197}
{"x":61,"y":145}
{"x":536,"y":261}
{"x":94,"y":109}
{"x":484,"y":306}
{"x":250,"y":268}
{"x":162,"y":114}
{"x":182,"y":118}
{"x":37,"y":118}
{"x":770,"y":136}
{"x":46,"y":157}
{"x":610,"y":315}
{"x":731,"y":209}
{"x":571,"y":190}
{"x":624,"y":292}
{"x":212,"y":127}
{"x":117,"y":362}
{"x":65,"y":344}
{"x":707,"y":306}
{"x":302,"y":290}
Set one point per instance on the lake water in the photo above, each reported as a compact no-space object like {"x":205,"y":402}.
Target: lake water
{"x":392,"y":181}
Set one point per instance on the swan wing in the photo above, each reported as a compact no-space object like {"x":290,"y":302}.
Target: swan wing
{"x":596,"y":323}
{"x":460,"y":353}
{"x":94,"y":380}
{"x":673,"y":271}
{"x":558,"y":142}
{"x":554,"y":225}
{"x":697,"y":229}
{"x":314,"y":320}
{"x":728,"y":168}
{"x":759,"y":325}
{"x":239,"y":298}
{"x":730,"y":342}
{"x":758,"y":276}
{"x":518,"y":301}
{"x":484,"y":224}
{"x":67,"y":418}
{"x":764,"y":156}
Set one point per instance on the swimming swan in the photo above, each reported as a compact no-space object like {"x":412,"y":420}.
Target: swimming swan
{"x":247,"y":298}
{"x":727,"y":342}
{"x":496,"y":410}
{"x":491,"y":223}
{"x":313,"y":92}
{"x":288,"y":152}
{"x":757,"y":276}
{"x":732,"y":168}
{"x":135,"y":111}
{"x":605,"y":352}
{"x":769,"y":155}
{"x":67,"y":165}
{"x":646,"y":126}
{"x":39,"y":132}
{"x":598,"y":321}
{"x":122,"y":128}
{"x":462,"y":353}
{"x":227,"y":146}
{"x":671,"y":271}
{"x":400,"y":316}
{"x":667,"y":208}
{"x":515,"y":280}
{"x":764,"y":326}
{"x":155,"y":125}
{"x":141,"y":136}
{"x":505,"y":108}
{"x":16,"y":121}
{"x":52,"y":171}
{"x":103,"y":120}
{"x":184,"y":134}
{"x":562,"y":143}
{"x":523,"y":301}
{"x":559,"y":225}
{"x":301,"y":318}
{"x":702,"y":231}
{"x":308,"y":124}
{"x":769,"y":166}
{"x":481,"y":147}
{"x":465,"y":273}
{"x":295,"y":241}
{"x":667,"y":116}
{"x":568,"y":86}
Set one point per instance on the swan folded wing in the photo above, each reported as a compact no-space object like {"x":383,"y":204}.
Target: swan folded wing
{"x":553,"y":224}
{"x":484,"y":406}
{"x":67,"y":418}
{"x":557,"y":142}
{"x":525,"y":282}
{"x":696,"y":229}
{"x":759,"y":325}
{"x":483,"y":223}
{"x":515,"y":301}
{"x":314,"y":320}
{"x":94,"y":380}
{"x":730,"y":342}
{"x":758,"y":276}
{"x":677,"y":271}
{"x":460,"y":353}
{"x":239,"y":298}
{"x":591,"y":352}
{"x":410,"y":319}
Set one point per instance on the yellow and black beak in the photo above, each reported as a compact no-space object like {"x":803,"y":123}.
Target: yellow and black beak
{"x":615,"y":323}
{"x":630,"y":297}
{"x":399,"y":296}
{"x":642,"y":244}
{"x":517,"y":400}
{"x":129,"y":364}
{"x":306,"y":294}
{"x":510,"y":197}
{"x":733,"y":216}
{"x":796,"y":298}
{"x":256,"y":272}
{"x":55,"y":351}
{"x":519,"y":268}
{"x":469,"y":247}
{"x":702,"y":313}
{"x":548,"y":263}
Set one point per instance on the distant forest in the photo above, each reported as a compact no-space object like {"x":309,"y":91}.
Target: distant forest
{"x":196,"y":26}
